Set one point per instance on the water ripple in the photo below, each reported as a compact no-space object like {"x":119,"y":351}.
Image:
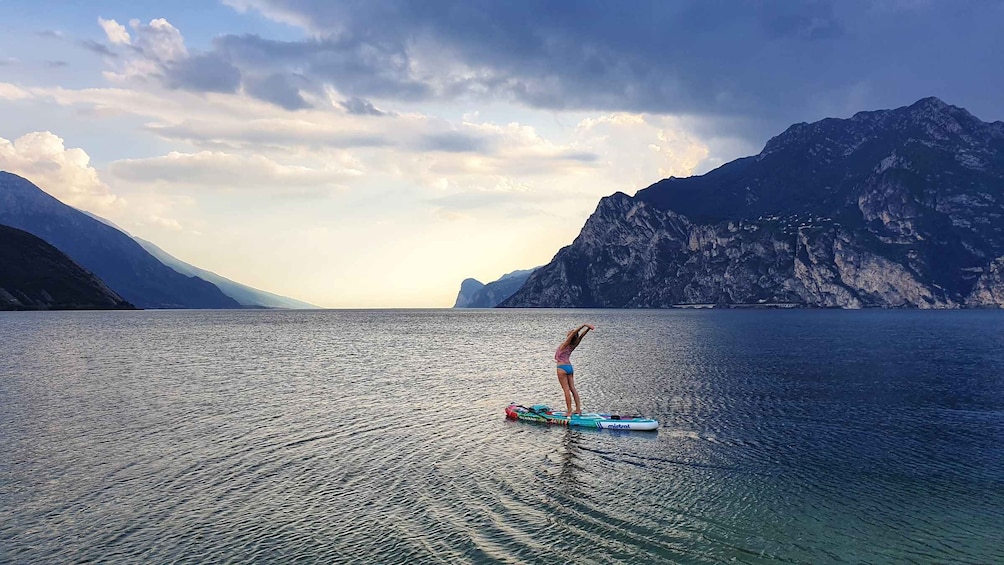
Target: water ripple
{"x":336,"y":437}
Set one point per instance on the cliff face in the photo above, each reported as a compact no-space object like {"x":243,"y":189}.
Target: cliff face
{"x":474,"y":294}
{"x":898,"y":208}
{"x":468,"y":295}
{"x":36,"y":276}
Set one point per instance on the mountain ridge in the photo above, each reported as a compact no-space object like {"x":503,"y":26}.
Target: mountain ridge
{"x":889,"y":208}
{"x":37,"y":276}
{"x":475,"y":294}
{"x":245,"y":295}
{"x":110,"y":254}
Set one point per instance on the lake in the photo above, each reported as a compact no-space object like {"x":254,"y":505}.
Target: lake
{"x":805,"y":436}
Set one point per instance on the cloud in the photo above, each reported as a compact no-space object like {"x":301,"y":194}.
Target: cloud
{"x":157,"y":51}
{"x":66,"y":174}
{"x":599,"y":56}
{"x":357,"y":68}
{"x":360,"y":107}
{"x":743,"y":70}
{"x":264,"y":133}
{"x":95,"y":47}
{"x":167,"y":223}
{"x":11,"y":92}
{"x":208,"y":169}
{"x":279,"y":89}
{"x":50,"y":34}
{"x":157,"y":40}
{"x":630,"y":150}
{"x":454,"y":142}
{"x":518,"y":149}
{"x":794,"y":21}
{"x":115,"y":32}
{"x":460,"y":205}
{"x":202,"y":73}
{"x":768,"y":65}
{"x":219,"y":119}
{"x":473,"y":169}
{"x":638,"y":147}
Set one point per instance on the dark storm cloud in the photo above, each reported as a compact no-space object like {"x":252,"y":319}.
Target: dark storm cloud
{"x":771,"y":63}
{"x":357,"y":66}
{"x":699,"y":56}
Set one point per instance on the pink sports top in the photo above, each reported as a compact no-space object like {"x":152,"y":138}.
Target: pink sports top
{"x":563,"y":354}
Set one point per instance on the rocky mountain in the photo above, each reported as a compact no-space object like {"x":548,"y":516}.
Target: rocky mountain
{"x":891,"y":208}
{"x":245,"y":295}
{"x":36,"y":276}
{"x":468,"y":289}
{"x":474,"y":294}
{"x":111,"y":255}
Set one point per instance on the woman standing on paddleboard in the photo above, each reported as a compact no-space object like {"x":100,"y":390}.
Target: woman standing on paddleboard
{"x":566,"y":375}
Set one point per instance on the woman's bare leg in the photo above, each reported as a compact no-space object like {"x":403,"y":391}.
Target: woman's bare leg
{"x":575,"y":393}
{"x":563,"y":379}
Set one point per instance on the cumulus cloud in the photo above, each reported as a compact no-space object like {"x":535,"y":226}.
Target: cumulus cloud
{"x":66,"y":174}
{"x":158,"y":40}
{"x":114,"y":31}
{"x":156,"y":50}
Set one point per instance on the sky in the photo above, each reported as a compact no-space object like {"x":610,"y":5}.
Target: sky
{"x":375,"y":153}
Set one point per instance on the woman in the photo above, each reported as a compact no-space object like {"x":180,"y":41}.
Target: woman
{"x":566,"y":375}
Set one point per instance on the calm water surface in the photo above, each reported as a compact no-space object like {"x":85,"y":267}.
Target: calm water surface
{"x":378,"y":437}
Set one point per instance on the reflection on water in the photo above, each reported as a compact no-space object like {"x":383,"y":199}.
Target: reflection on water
{"x":379,"y":436}
{"x":567,"y":455}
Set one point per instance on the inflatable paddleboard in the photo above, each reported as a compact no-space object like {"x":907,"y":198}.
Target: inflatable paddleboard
{"x":545,"y":415}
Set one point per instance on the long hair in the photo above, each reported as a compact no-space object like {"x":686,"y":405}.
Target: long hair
{"x":575,"y":340}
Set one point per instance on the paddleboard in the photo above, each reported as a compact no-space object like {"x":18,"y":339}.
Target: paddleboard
{"x":543,"y":414}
